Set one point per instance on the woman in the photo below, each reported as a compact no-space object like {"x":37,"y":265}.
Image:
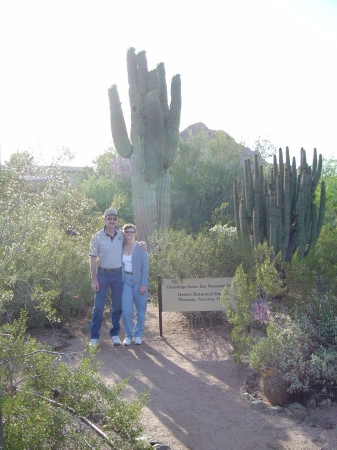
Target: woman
{"x":135,"y":286}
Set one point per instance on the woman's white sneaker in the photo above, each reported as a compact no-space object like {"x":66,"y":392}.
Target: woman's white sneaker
{"x":138,"y":340}
{"x":126,"y":342}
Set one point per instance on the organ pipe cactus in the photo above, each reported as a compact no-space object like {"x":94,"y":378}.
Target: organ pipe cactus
{"x":282,"y":212}
{"x":153,"y":142}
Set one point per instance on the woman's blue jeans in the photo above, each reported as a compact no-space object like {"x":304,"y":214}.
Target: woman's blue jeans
{"x":130,"y":297}
{"x":106,"y":280}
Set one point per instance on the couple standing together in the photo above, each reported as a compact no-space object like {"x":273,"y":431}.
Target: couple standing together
{"x":117,"y":261}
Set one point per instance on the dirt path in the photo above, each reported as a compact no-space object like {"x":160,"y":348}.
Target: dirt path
{"x":195,"y":391}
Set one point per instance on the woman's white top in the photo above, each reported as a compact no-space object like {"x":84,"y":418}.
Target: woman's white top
{"x":127,"y":262}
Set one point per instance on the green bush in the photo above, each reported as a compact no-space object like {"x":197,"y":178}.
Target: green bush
{"x":299,"y":353}
{"x":46,"y":226}
{"x":285,"y":352}
{"x":59,"y":287}
{"x":255,"y":293}
{"x":323,"y":369}
{"x":216,"y":253}
{"x":283,"y":326}
{"x":48,"y":402}
{"x":322,"y":311}
{"x":322,"y":258}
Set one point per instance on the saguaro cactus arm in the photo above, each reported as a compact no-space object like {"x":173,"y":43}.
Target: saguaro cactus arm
{"x":173,"y":121}
{"x":142,"y":73}
{"x":118,"y":127}
{"x":163,"y":89}
{"x":131,"y":63}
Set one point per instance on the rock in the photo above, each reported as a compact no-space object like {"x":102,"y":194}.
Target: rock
{"x":296,"y":405}
{"x":198,"y":127}
{"x":325,"y":403}
{"x":247,"y":396}
{"x":311,"y":404}
{"x":275,"y":410}
{"x":297,"y":411}
{"x":258,"y":405}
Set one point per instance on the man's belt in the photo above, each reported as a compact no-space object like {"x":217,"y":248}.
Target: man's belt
{"x":109,"y":270}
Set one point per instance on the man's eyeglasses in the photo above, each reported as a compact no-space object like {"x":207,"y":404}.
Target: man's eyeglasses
{"x":112,"y":218}
{"x":129,"y":231}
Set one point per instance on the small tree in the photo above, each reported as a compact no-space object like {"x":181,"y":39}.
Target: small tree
{"x":202,"y":178}
{"x":329,"y":176}
{"x":109,"y":184}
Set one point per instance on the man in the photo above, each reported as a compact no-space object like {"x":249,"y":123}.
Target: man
{"x":107,"y":245}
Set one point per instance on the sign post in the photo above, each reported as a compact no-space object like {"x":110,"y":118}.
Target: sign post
{"x":160,"y":306}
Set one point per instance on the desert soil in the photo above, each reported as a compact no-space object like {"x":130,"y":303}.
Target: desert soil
{"x":196,"y":390}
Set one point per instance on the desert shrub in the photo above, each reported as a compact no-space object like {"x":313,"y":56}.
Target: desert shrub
{"x":45,"y":230}
{"x":177,"y":255}
{"x":298,"y":355}
{"x":322,"y":258}
{"x":285,"y":333}
{"x":59,"y":285}
{"x":322,"y":311}
{"x":255,"y":295}
{"x":323,"y":369}
{"x":216,"y":253}
{"x":238,"y":313}
{"x":284,"y":352}
{"x":48,"y":402}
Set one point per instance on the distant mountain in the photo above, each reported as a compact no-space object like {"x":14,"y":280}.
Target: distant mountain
{"x":196,"y":128}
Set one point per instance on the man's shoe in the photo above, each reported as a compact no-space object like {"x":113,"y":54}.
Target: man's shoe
{"x":115,"y":340}
{"x":93,"y":342}
{"x":138,"y":340}
{"x":126,"y":342}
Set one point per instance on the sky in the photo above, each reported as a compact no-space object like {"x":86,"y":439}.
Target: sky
{"x":262,"y":69}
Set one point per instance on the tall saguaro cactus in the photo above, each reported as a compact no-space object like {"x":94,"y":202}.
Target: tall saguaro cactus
{"x":153,"y":142}
{"x":283,"y":212}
